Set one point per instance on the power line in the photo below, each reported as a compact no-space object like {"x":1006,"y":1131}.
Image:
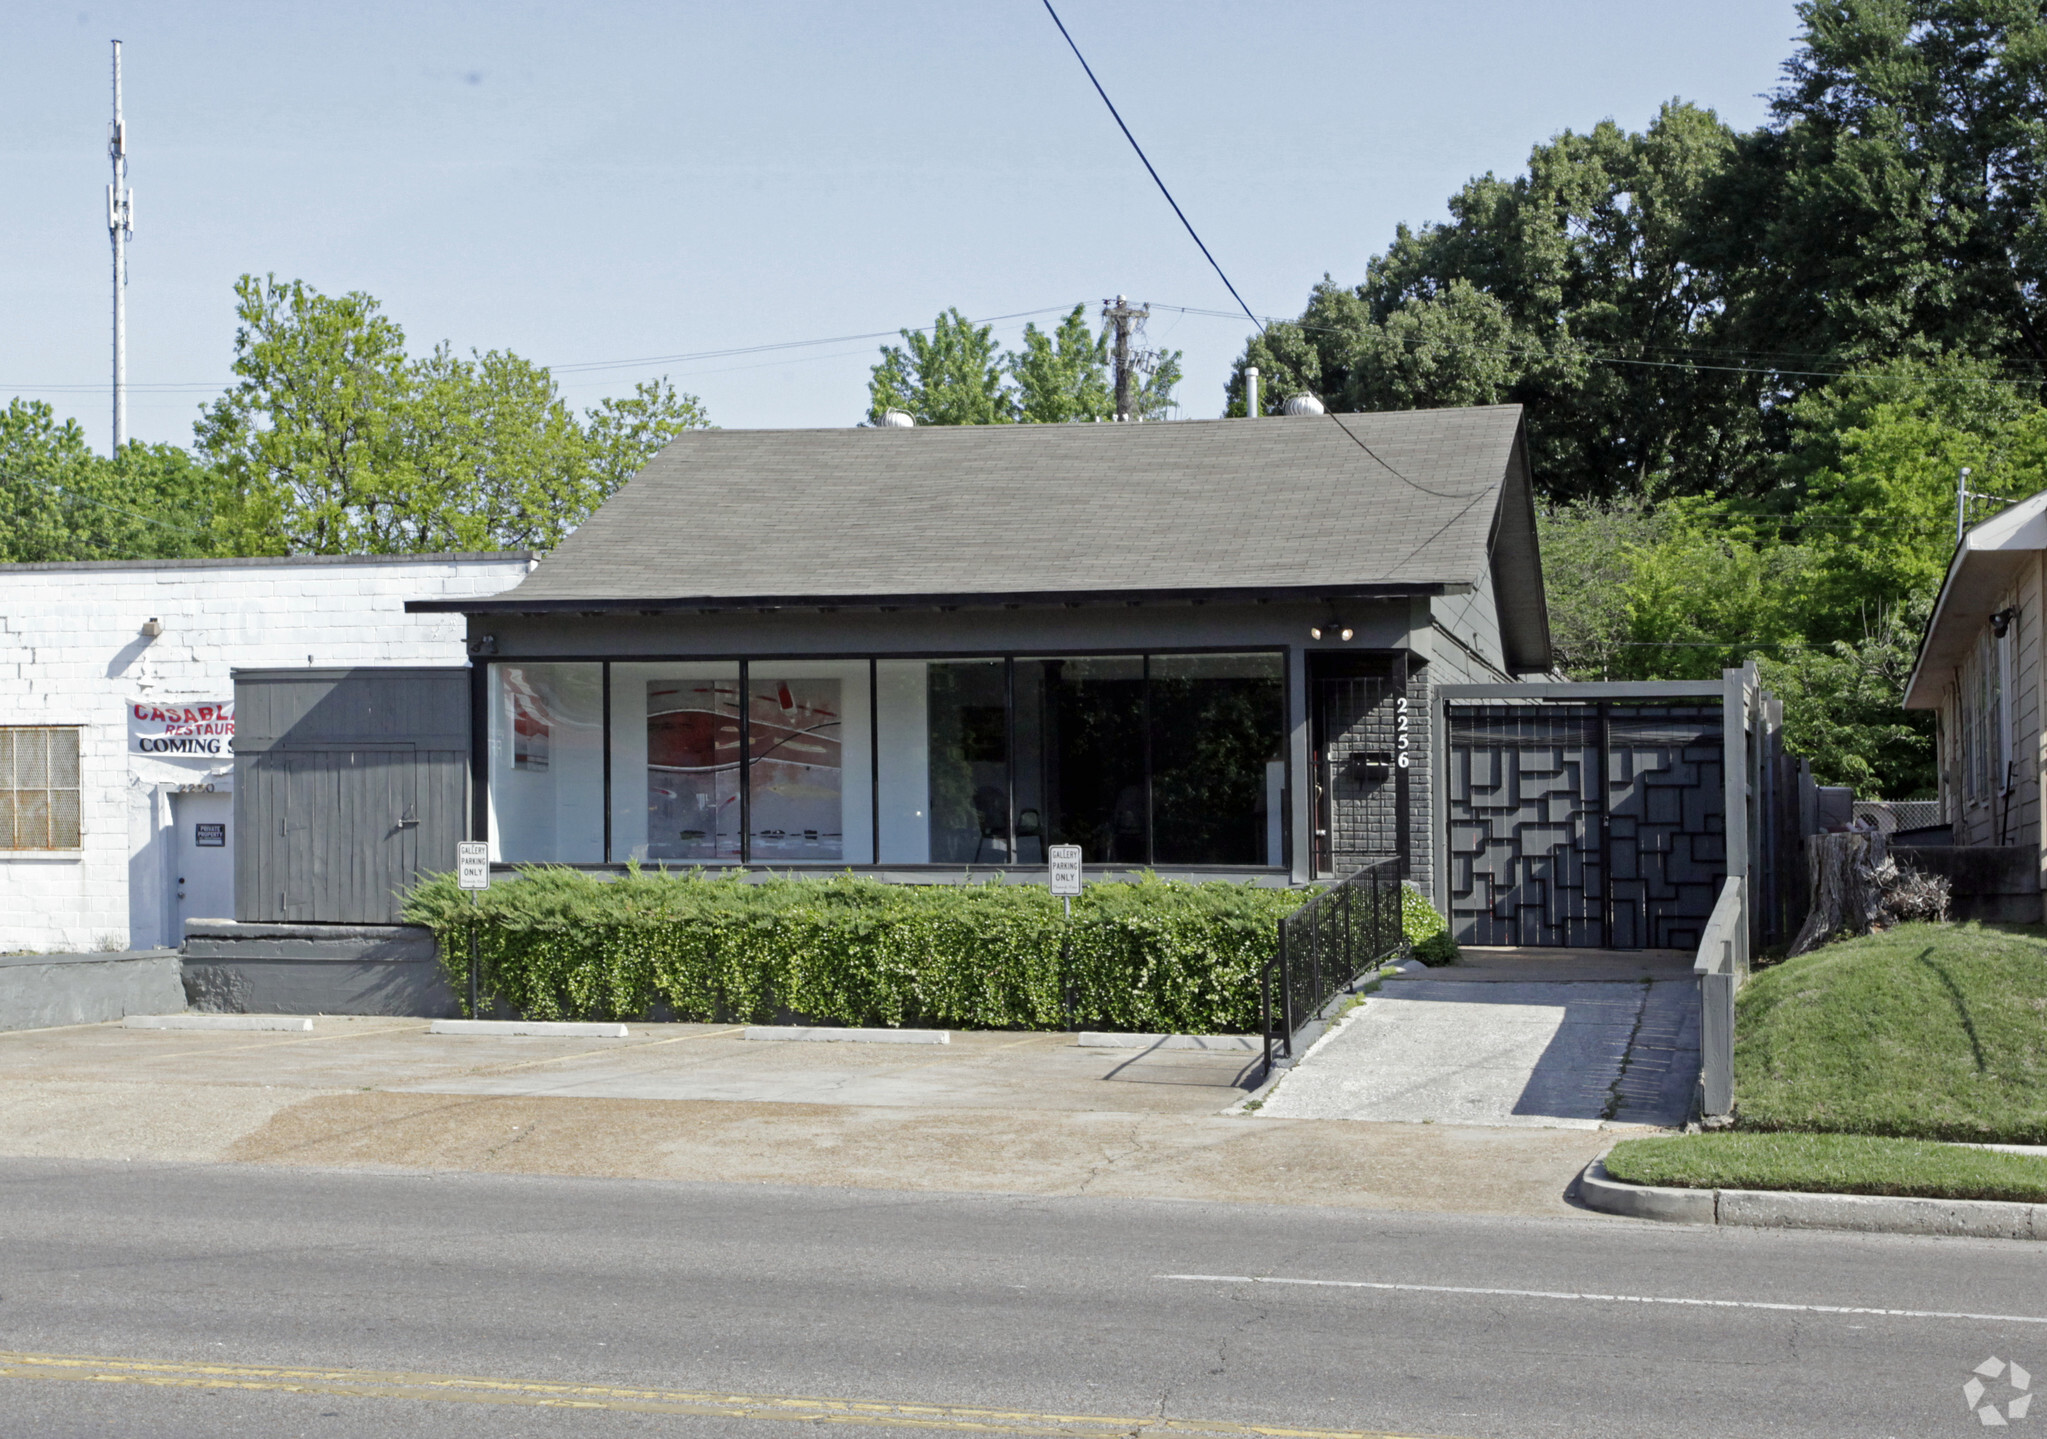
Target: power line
{"x":582,"y":366}
{"x":1148,"y":165}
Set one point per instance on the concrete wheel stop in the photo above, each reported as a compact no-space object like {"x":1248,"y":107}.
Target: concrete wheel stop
{"x":290,"y":1023}
{"x":539,"y":1028}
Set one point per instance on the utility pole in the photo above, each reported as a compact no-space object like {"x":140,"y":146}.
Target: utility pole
{"x":1126,"y":317}
{"x":121,"y":229}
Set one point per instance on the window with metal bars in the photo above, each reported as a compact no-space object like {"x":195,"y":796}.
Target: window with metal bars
{"x":38,"y":787}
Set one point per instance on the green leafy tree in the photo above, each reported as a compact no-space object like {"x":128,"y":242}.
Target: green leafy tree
{"x":309,"y":440}
{"x":952,"y":376}
{"x":955,"y":376}
{"x":335,"y":442}
{"x":1063,"y":376}
{"x":1576,"y":289}
{"x":60,"y":501}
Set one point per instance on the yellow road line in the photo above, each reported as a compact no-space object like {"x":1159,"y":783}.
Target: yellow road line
{"x":471,"y":1389}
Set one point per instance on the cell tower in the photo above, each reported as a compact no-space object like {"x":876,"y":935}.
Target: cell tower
{"x":121,"y":229}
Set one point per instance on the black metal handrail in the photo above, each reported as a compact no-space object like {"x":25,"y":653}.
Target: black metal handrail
{"x":1325,"y":946}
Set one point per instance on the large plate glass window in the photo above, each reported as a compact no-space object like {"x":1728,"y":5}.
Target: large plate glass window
{"x":1080,"y":771}
{"x":547,"y":763}
{"x":675,"y":763}
{"x":1218,"y":756}
{"x":809,"y":790}
{"x":967,"y":733}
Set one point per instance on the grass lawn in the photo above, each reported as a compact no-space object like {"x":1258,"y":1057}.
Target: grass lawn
{"x":1829,"y":1164}
{"x":1925,"y":1031}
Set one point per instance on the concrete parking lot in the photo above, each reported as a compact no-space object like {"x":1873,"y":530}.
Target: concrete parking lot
{"x":989,"y":1112}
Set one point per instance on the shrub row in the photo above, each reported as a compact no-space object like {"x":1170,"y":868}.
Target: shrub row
{"x":1148,"y":956}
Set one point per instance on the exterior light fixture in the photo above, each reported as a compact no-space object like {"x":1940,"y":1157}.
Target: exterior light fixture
{"x":1332,"y":630}
{"x":2000,"y":623}
{"x":484,"y":645}
{"x":152,"y":627}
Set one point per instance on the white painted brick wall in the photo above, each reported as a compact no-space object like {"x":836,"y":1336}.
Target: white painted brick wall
{"x":72,"y":652}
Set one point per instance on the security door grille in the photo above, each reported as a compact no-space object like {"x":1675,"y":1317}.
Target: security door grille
{"x":38,"y":787}
{"x":1585,"y":825}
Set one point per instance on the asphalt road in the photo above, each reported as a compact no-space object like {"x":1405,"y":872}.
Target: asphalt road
{"x":238,"y":1300}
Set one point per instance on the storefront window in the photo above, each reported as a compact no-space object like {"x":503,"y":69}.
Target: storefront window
{"x":809,"y":758}
{"x":675,"y":763}
{"x":967,"y":727}
{"x":1175,"y":760}
{"x":1080,"y":759}
{"x":547,"y":763}
{"x":1218,"y":758}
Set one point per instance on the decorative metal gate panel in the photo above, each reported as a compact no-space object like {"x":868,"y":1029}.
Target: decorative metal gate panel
{"x":1584,"y":825}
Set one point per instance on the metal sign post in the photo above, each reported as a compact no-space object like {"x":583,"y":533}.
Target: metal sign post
{"x":472,"y":873}
{"x":1064,"y":860}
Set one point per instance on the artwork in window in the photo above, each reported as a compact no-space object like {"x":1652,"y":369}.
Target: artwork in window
{"x":796,"y":769}
{"x":692,"y":769}
{"x":530,"y":731}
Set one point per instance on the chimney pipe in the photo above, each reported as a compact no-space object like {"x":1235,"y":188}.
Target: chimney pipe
{"x":1251,"y":392}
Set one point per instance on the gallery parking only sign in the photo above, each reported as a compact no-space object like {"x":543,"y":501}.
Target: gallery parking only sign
{"x":187,"y":729}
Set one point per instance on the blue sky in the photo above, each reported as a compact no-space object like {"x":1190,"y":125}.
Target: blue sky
{"x":611,"y":182}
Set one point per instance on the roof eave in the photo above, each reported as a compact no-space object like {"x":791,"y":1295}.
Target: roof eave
{"x":992,"y":599}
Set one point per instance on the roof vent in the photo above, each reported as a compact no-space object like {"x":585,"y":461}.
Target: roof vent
{"x":897,"y":420}
{"x":1305,"y":405}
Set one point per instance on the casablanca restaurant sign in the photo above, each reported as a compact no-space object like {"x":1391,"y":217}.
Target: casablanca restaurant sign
{"x":197,"y":729}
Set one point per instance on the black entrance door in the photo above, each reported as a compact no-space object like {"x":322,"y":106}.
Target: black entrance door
{"x":1360,"y":739}
{"x":1585,"y":825}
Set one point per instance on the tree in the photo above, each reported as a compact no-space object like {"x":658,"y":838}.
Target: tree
{"x":1579,"y":289}
{"x":334,"y":442}
{"x":60,"y":501}
{"x":1063,"y":376}
{"x":955,"y":376}
{"x":308,"y":442}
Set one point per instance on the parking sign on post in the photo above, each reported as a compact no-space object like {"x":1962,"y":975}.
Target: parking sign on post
{"x":1065,"y":861}
{"x":472,"y":872}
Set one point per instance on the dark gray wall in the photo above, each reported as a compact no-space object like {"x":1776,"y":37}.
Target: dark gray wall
{"x":348,"y":783}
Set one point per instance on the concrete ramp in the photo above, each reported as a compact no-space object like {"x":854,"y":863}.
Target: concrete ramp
{"x":1510,"y":1041}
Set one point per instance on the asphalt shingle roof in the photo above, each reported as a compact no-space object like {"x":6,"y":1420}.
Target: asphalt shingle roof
{"x":1336,"y":501}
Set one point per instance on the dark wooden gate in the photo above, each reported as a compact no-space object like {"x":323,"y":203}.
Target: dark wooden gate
{"x":1585,"y":825}
{"x":348,"y":785}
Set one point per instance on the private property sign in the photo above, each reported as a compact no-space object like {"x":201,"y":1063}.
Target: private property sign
{"x":192,"y":729}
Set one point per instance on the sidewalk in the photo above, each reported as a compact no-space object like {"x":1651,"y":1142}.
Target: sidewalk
{"x":1008,"y":1113}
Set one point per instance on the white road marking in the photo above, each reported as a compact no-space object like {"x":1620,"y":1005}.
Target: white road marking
{"x":1604,"y":1298}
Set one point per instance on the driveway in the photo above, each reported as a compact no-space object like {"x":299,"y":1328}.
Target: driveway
{"x":1561,"y":1039}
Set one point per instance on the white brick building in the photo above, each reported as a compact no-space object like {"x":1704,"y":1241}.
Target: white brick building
{"x":95,"y":835}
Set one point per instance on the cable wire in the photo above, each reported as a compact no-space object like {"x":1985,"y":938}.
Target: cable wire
{"x":1148,"y":166}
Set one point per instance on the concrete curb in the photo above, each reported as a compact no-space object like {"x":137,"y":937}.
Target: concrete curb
{"x":1233,"y":1043}
{"x":568,"y":1029}
{"x":295,"y":1024}
{"x":796,"y":1033}
{"x":1790,"y":1209}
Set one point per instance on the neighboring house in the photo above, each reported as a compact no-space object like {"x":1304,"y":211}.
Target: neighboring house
{"x":1979,"y":670}
{"x":116,"y":763}
{"x":1201,"y":647}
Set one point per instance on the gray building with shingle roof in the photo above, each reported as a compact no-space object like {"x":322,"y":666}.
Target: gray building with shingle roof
{"x":1200,"y":646}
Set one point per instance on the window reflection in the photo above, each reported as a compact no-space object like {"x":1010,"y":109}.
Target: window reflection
{"x":1218,"y":758}
{"x":1080,"y":765}
{"x":968,"y":724}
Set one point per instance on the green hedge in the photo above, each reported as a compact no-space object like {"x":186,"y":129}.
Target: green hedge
{"x":1151,"y":956}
